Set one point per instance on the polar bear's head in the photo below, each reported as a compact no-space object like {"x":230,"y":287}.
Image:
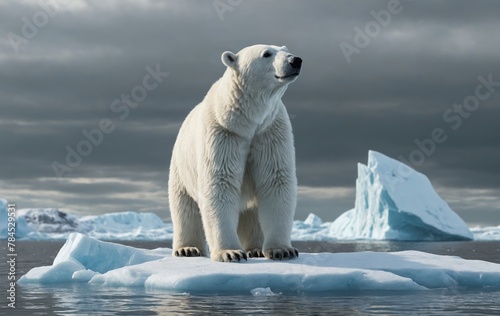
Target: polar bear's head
{"x":263,"y":66}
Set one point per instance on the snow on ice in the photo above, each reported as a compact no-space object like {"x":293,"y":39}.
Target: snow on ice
{"x":105,"y":264}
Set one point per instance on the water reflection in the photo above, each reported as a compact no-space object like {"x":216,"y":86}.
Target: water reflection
{"x":83,"y":299}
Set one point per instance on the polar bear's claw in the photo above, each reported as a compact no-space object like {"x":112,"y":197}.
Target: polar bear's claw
{"x":255,"y":253}
{"x":281,"y":253}
{"x":229,"y":255}
{"x":187,"y":252}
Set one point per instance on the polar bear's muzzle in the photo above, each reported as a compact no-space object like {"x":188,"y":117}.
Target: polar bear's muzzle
{"x":295,"y":62}
{"x":292,"y":69}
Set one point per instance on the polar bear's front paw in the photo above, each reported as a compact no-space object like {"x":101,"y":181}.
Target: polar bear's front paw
{"x":255,"y":253}
{"x":229,"y":255}
{"x":281,"y":253}
{"x":187,"y":252}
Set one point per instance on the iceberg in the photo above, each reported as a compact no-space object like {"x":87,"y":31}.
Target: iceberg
{"x":395,"y":202}
{"x":312,"y":228}
{"x":262,"y":292}
{"x":86,"y":260}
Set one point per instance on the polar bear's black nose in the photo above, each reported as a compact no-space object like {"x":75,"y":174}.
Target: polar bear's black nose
{"x":295,"y":62}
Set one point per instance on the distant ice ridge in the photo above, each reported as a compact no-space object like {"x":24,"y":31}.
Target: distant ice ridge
{"x":48,"y":223}
{"x":44,"y":224}
{"x":486,"y":233}
{"x":86,"y":260}
{"x":3,"y":218}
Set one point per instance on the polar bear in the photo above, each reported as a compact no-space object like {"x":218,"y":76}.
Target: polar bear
{"x":232,"y":179}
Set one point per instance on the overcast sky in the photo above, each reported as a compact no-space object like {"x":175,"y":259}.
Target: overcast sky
{"x":71,"y":69}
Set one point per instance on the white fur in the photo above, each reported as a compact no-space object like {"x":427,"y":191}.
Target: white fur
{"x":232,"y":174}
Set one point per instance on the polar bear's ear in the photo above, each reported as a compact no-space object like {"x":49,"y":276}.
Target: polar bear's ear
{"x":229,"y":59}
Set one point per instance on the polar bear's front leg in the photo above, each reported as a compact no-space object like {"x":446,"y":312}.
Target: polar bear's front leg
{"x":222,"y":169}
{"x":273,"y":169}
{"x":220,"y":223}
{"x":189,"y":239}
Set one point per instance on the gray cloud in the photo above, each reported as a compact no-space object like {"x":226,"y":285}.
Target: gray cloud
{"x":393,"y":92}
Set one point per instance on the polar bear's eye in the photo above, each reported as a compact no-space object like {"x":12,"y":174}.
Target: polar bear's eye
{"x":267,"y":54}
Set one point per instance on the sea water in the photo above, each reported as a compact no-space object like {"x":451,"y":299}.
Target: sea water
{"x":83,"y":299}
